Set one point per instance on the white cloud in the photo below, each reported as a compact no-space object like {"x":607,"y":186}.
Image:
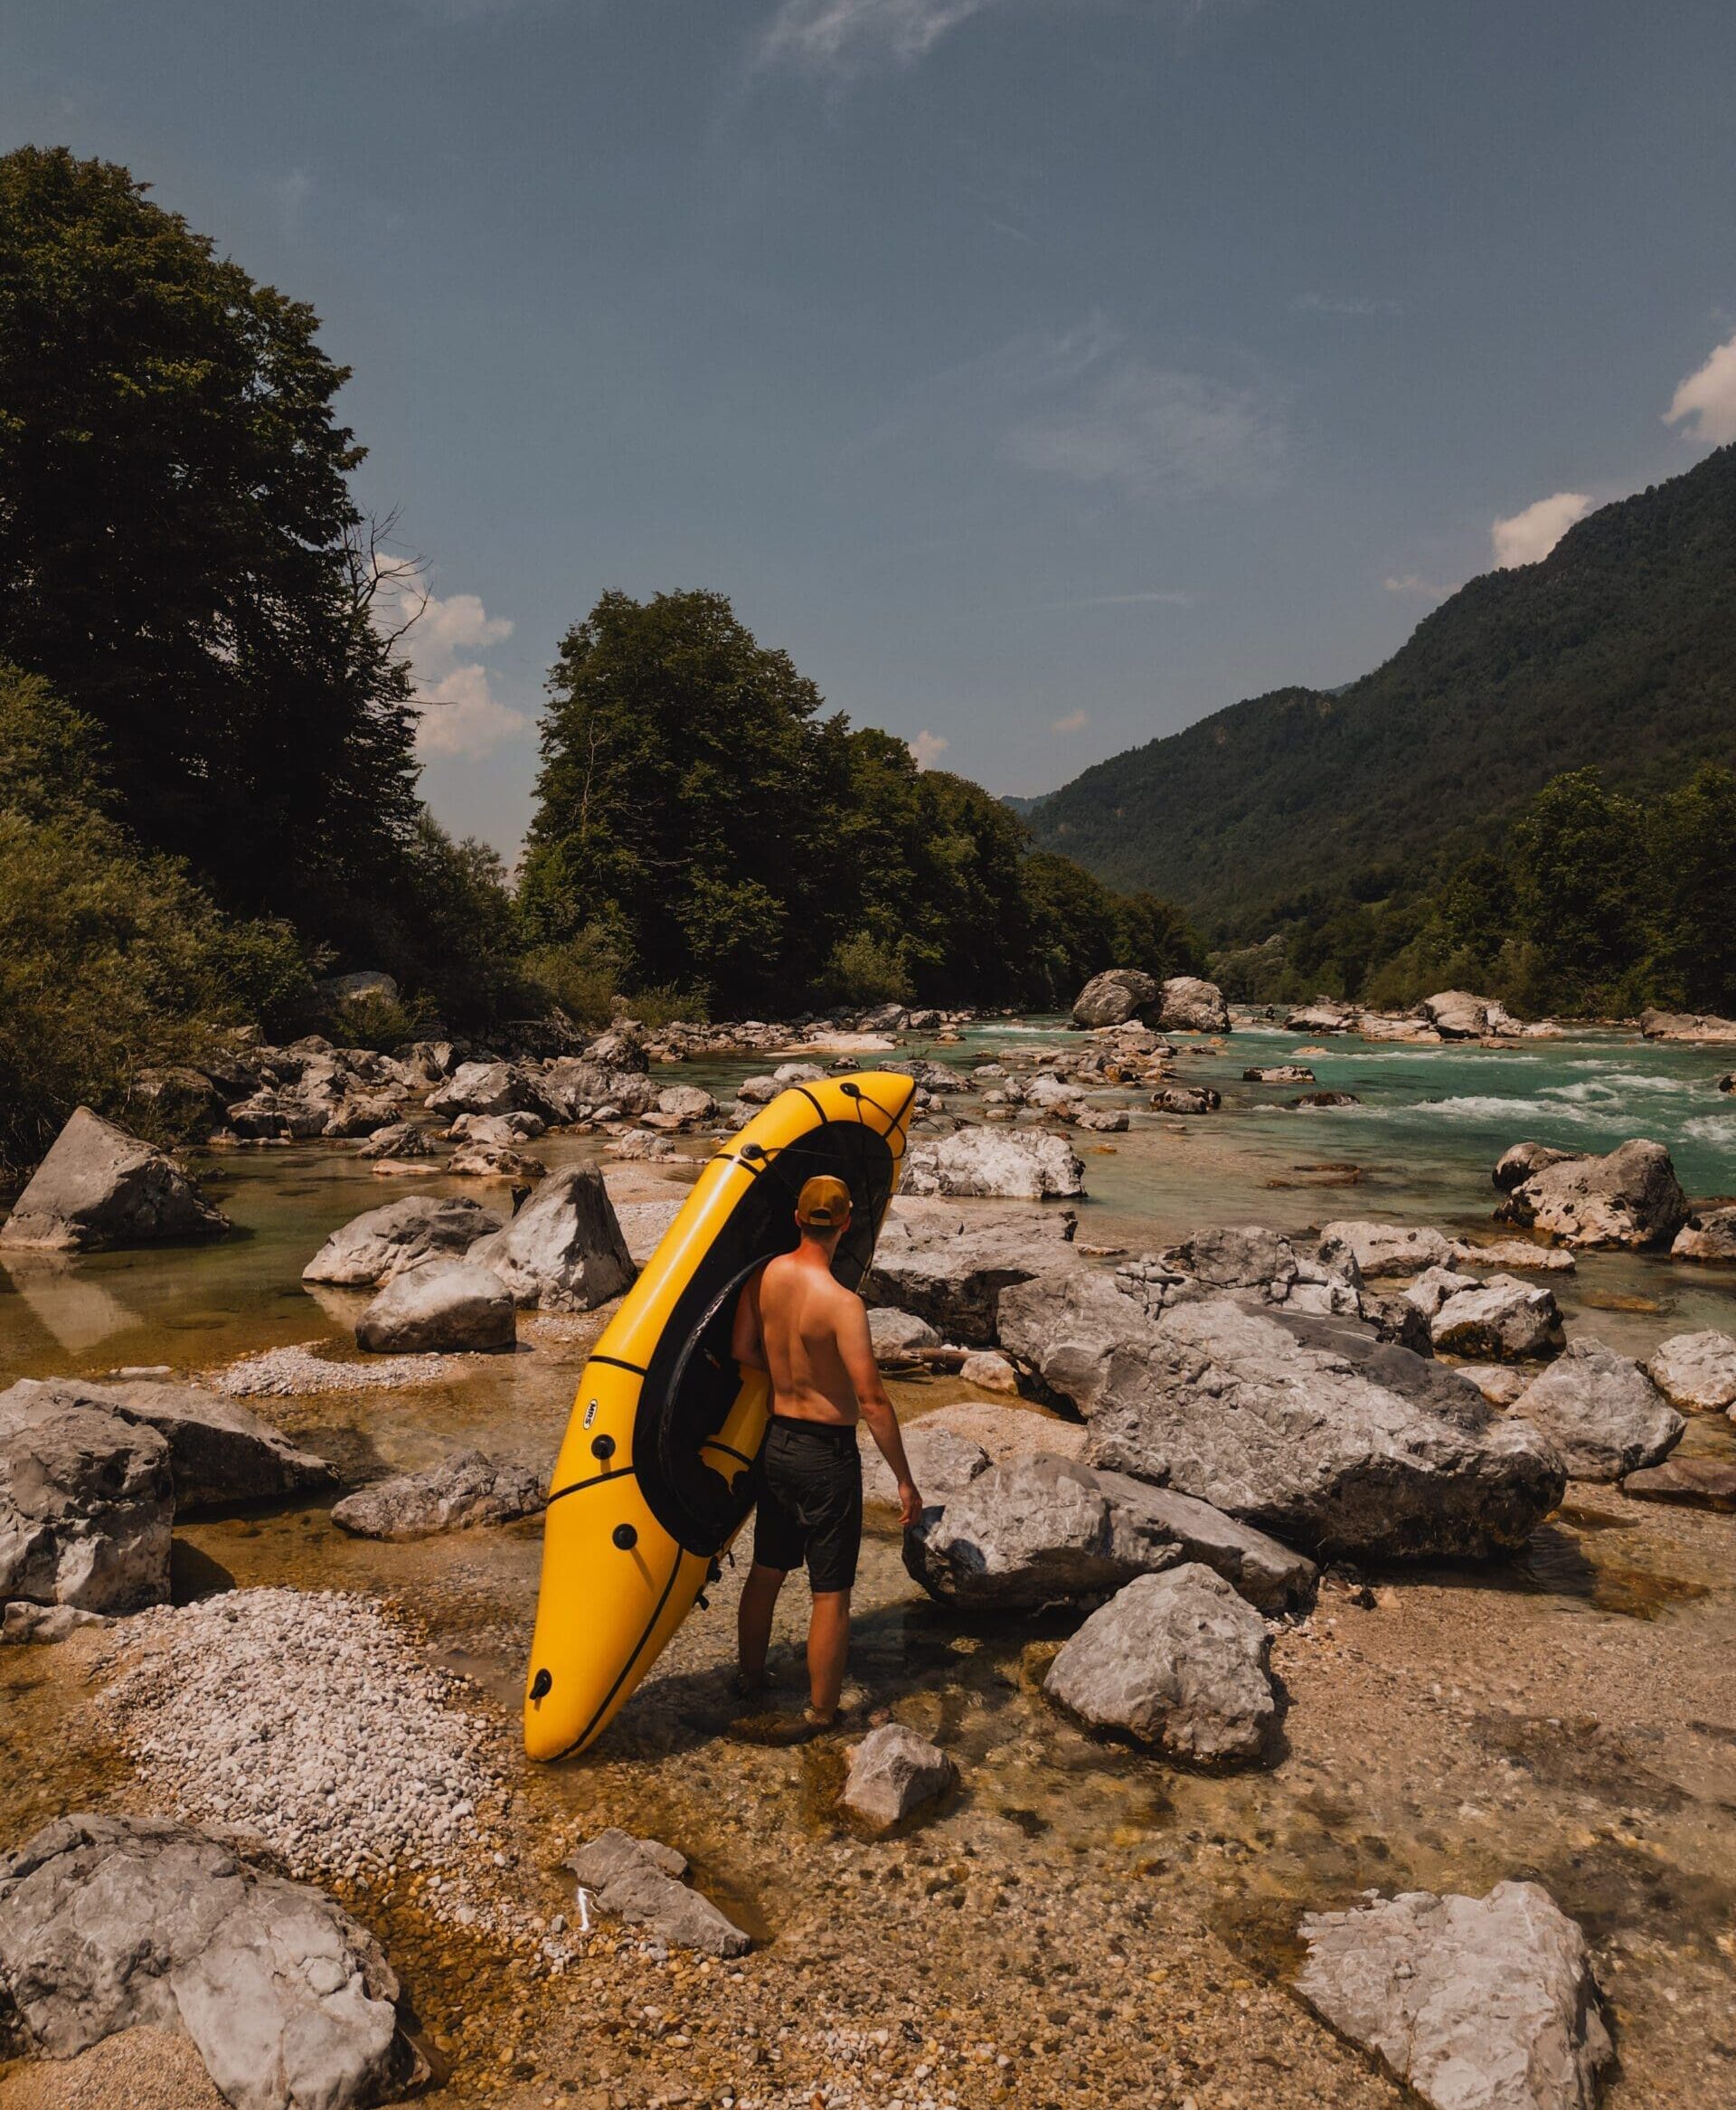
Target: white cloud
{"x":1528,"y":537}
{"x":1074,"y":721}
{"x":1414,"y":582}
{"x":928,"y":748}
{"x":1709,"y":397}
{"x":823,"y":34}
{"x":460,"y":713}
{"x":1154,"y":430}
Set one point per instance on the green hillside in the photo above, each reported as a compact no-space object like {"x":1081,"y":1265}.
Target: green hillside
{"x":1617,"y":652}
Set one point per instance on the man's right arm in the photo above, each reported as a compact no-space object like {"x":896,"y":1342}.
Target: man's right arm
{"x":857,"y":1349}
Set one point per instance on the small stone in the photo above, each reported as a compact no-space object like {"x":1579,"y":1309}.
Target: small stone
{"x":894,"y":1773}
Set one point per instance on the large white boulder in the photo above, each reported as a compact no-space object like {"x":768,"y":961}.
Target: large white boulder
{"x":373,"y":1247}
{"x":1116,"y":996}
{"x":1631,"y":1197}
{"x":99,"y":1187}
{"x":448,"y":1307}
{"x":1191,"y":1004}
{"x":87,"y":1505}
{"x":998,"y":1164}
{"x":564,"y":1250}
{"x":1696,"y":1370}
{"x":1602,"y":1411}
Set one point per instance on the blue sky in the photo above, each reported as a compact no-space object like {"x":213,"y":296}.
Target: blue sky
{"x":1041,"y":374}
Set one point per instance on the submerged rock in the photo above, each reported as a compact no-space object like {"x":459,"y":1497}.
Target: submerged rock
{"x":640,"y":1880}
{"x":87,"y":1505}
{"x":1601,"y":1412}
{"x":564,"y":1251}
{"x":1695,"y":1483}
{"x":1696,"y":1370}
{"x":373,"y":1247}
{"x":1187,"y":1099}
{"x":1631,"y":1197}
{"x":1279,"y":1074}
{"x":1313,"y":1429}
{"x":1176,"y":1660}
{"x":1036,"y":1530}
{"x":1478,"y":2003}
{"x":997,"y":1164}
{"x":445,"y":1306}
{"x":219,"y":1454}
{"x":99,"y":1187}
{"x":465,"y":1489}
{"x":1114,"y":997}
{"x":111,"y":1923}
{"x":894,"y":1773}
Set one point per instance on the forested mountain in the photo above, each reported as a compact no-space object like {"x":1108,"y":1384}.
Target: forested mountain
{"x":1618,"y":652}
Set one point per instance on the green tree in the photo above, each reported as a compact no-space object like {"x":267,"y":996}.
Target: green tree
{"x":1582,"y":883}
{"x":180,"y":555}
{"x":1693,"y":846}
{"x":677,"y":801}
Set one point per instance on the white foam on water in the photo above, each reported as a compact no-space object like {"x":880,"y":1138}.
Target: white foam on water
{"x":1620,"y":1085}
{"x":1479,"y":1106}
{"x":1712,"y":1128}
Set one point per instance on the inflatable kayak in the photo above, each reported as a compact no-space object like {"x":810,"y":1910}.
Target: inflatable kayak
{"x":654,"y":1478}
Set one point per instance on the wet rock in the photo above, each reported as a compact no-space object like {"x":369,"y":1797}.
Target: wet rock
{"x":950,"y":1270}
{"x":87,"y":1503}
{"x":42,"y":1623}
{"x":371,"y":1248}
{"x":488,"y":1088}
{"x":1313,"y":1429}
{"x":1254,"y":1565}
{"x":1456,"y":1015}
{"x":398,"y":1138}
{"x":941,"y":1462}
{"x":688,"y":1103}
{"x":465,"y":1489}
{"x":1187,"y":1099}
{"x":110,"y":1923}
{"x":1514,"y":1252}
{"x":990,"y":1371}
{"x":1103,"y":1121}
{"x":1694,"y":1484}
{"x":1481,"y":2003}
{"x":1176,"y":1661}
{"x":444,"y":1307}
{"x":99,"y":1187}
{"x":1385,"y":1249}
{"x":494,"y":1162}
{"x":1516,"y":1164}
{"x":640,"y":1880}
{"x":1279,"y":1074}
{"x":1696,"y":1370}
{"x":1698,"y":1026}
{"x":219,"y":1454}
{"x":895,"y":1335}
{"x":1326,"y":1099}
{"x":1116,"y":996}
{"x":1499,"y":1319}
{"x":893,"y":1774}
{"x":996,"y":1164}
{"x":1708,"y":1235}
{"x":1630,"y":1198}
{"x":1727,"y":1082}
{"x":1601,"y":1412}
{"x":1191,"y":1006}
{"x":564,"y":1250}
{"x":1036,"y":1530}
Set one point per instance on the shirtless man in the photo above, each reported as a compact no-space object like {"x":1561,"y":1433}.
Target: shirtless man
{"x":810,"y":1333}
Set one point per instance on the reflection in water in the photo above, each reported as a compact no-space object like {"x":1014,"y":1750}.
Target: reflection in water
{"x":76,"y":1311}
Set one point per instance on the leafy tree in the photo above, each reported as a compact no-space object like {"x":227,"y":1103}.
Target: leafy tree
{"x":180,"y":555}
{"x":1694,"y":837}
{"x":1580,"y":884}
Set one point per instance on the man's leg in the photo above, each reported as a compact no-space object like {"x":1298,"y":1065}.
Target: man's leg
{"x":828,"y":1646}
{"x":753,"y":1620}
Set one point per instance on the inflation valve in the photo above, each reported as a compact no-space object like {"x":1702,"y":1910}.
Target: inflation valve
{"x":602,"y":1447}
{"x":626,"y":1537}
{"x":541,"y":1686}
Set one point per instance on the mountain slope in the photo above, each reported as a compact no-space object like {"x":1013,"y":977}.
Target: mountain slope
{"x":1618,"y":650}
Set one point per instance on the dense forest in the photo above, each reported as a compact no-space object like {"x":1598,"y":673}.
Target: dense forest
{"x":1618,"y":653}
{"x":207,"y":734}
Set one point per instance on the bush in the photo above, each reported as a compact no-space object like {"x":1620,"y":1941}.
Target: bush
{"x":862,"y":970}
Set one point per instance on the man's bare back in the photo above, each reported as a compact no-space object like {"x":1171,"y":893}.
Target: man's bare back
{"x":813,"y":1327}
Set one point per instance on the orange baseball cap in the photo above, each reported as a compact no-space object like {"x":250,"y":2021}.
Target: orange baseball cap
{"x":823,"y":1204}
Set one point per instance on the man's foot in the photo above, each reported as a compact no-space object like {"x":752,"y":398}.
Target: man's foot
{"x":746,"y":1687}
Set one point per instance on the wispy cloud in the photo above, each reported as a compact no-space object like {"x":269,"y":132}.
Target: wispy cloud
{"x":928,"y":748}
{"x":1527,"y":537}
{"x":1704,"y":404}
{"x":1153,"y":432}
{"x":1074,"y":721}
{"x":1414,"y":582}
{"x":830,"y":35}
{"x":291,"y":194}
{"x":1354,"y":304}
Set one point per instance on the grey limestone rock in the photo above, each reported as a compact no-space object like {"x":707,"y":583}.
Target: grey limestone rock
{"x":564,"y":1250}
{"x":1602,"y":1411}
{"x":997,"y":1164}
{"x":219,"y":1454}
{"x":373,"y":1247}
{"x":488,"y":1088}
{"x":1498,"y":1319}
{"x":1177,"y":1661}
{"x":641,"y":1880}
{"x":1312,"y":1429}
{"x":445,"y":1306}
{"x":1518,"y":1163}
{"x":950,"y":1267}
{"x":895,"y":1334}
{"x":1193,"y":1005}
{"x":99,"y":1187}
{"x":941,"y":1462}
{"x":1478,"y":2003}
{"x":1036,"y":1530}
{"x":1708,"y":1235}
{"x":1631,"y":1197}
{"x":1116,"y":996}
{"x":87,"y":1505}
{"x":1696,"y":1370}
{"x":1254,"y":1565}
{"x":1186,"y":1099}
{"x":464,"y":1489}
{"x":1385,"y":1249}
{"x":110,"y":1923}
{"x":893,"y":1774}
